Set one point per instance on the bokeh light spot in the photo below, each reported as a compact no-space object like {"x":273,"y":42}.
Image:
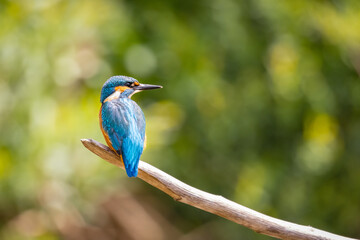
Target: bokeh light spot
{"x":140,"y":60}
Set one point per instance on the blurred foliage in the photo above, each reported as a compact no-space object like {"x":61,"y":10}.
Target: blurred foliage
{"x":261,"y":104}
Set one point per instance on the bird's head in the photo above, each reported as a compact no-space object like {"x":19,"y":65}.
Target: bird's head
{"x":122,"y":86}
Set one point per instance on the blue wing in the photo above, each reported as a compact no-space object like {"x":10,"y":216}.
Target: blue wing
{"x":124,"y":122}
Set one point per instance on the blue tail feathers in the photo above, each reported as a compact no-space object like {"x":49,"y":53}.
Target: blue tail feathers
{"x":131,"y":171}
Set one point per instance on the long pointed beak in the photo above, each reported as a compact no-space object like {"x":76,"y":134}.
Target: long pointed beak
{"x":146,"y":87}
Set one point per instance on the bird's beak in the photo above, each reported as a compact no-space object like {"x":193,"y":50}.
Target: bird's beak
{"x":146,"y":87}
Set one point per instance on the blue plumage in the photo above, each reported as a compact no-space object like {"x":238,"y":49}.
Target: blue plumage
{"x":122,"y":121}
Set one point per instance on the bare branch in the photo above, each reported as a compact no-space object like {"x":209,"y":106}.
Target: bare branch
{"x":215,"y":204}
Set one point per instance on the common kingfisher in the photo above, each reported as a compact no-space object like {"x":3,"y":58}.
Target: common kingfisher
{"x":121,"y":120}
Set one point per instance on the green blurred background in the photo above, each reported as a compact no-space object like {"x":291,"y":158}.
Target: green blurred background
{"x":261,"y":104}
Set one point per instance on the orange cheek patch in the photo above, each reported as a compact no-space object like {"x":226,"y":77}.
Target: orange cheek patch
{"x":121,"y":88}
{"x":136,"y":83}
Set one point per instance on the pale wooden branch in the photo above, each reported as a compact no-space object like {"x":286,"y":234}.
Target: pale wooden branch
{"x":215,"y":204}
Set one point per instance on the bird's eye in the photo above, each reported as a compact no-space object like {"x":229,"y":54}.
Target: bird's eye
{"x":128,"y":84}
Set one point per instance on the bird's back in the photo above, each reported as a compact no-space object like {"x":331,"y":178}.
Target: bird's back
{"x":124,"y":124}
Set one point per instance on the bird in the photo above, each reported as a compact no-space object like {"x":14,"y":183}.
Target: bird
{"x":122,"y":121}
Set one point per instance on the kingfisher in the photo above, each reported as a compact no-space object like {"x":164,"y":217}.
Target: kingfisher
{"x":121,"y":120}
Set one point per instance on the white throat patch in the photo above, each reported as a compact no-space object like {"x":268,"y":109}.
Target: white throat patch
{"x":136,"y":91}
{"x":113,"y":96}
